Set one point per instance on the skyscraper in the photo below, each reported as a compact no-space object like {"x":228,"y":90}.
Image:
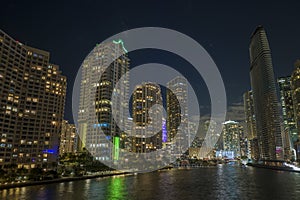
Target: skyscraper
{"x":148,"y":120}
{"x":264,"y":96}
{"x":295,"y":82}
{"x":231,"y":134}
{"x":289,"y":124}
{"x":31,"y":105}
{"x":251,"y":125}
{"x":101,"y":70}
{"x":295,"y":86}
{"x":67,"y":138}
{"x":177,"y":111}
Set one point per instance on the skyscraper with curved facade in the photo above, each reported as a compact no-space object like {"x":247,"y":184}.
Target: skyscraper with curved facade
{"x":101,"y":71}
{"x":265,"y":97}
{"x":32,"y":100}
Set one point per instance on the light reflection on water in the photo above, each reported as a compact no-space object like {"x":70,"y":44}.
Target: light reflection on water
{"x":222,"y":182}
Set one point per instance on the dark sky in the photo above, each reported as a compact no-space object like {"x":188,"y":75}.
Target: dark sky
{"x":70,"y":30}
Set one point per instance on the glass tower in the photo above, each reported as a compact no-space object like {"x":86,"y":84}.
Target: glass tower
{"x":101,"y":71}
{"x":266,"y":107}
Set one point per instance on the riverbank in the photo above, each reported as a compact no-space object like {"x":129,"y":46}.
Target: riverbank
{"x":59,"y":180}
{"x":279,"y":168}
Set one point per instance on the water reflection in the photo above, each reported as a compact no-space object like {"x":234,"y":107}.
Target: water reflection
{"x":116,"y":188}
{"x":222,"y":182}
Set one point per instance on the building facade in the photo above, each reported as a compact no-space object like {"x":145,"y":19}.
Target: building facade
{"x":177,"y":108}
{"x":148,"y":121}
{"x":232,"y":132}
{"x":31,"y":107}
{"x":295,"y":82}
{"x":67,"y":138}
{"x":177,"y":113}
{"x":101,"y":70}
{"x":250,"y":120}
{"x":289,"y":123}
{"x":269,"y":133}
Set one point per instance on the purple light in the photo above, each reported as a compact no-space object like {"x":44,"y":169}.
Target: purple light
{"x":164,"y":132}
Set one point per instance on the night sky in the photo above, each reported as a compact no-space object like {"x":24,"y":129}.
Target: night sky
{"x":71,"y":29}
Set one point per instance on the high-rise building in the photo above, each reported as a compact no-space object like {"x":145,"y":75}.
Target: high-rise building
{"x":147,"y":118}
{"x":266,"y":107}
{"x":295,"y":82}
{"x":249,"y":115}
{"x":295,"y":86}
{"x":289,"y":124}
{"x":177,"y":112}
{"x":31,"y":105}
{"x":250,"y":120}
{"x":101,"y":71}
{"x":67,"y":138}
{"x":231,"y":134}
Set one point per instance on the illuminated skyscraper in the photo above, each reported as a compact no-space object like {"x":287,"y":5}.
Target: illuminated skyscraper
{"x":231,"y":134}
{"x":101,"y":70}
{"x":249,"y":114}
{"x":266,"y":107}
{"x":67,"y":138}
{"x":289,"y":124}
{"x":31,"y":105}
{"x":147,"y":118}
{"x":295,"y":82}
{"x":177,"y":111}
{"x":251,"y":125}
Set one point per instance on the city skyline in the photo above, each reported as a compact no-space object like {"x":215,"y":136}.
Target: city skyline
{"x":134,"y":100}
{"x":214,"y":38}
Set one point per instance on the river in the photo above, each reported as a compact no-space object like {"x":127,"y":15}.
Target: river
{"x":221,"y":182}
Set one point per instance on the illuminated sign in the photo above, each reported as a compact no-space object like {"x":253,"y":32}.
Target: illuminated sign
{"x":116,"y":141}
{"x":101,"y":125}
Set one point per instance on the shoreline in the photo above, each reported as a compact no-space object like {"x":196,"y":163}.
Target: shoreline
{"x":70,"y":179}
{"x":58,"y":180}
{"x":277,"y":168}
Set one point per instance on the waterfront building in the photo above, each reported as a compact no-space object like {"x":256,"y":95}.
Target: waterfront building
{"x":147,"y":118}
{"x":177,"y":115}
{"x":289,"y":123}
{"x":177,"y":108}
{"x":231,"y":134}
{"x":251,"y":125}
{"x":67,"y":138}
{"x":101,"y":71}
{"x":31,"y":105}
{"x":265,"y":100}
{"x":295,"y":82}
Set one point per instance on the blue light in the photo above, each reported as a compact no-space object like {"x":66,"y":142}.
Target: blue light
{"x":101,"y":125}
{"x":50,"y":151}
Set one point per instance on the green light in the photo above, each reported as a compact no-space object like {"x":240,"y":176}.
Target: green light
{"x":116,"y":141}
{"x":116,"y":188}
{"x":120,"y":41}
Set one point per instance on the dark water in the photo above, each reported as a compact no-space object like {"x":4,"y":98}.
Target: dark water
{"x":222,"y":182}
